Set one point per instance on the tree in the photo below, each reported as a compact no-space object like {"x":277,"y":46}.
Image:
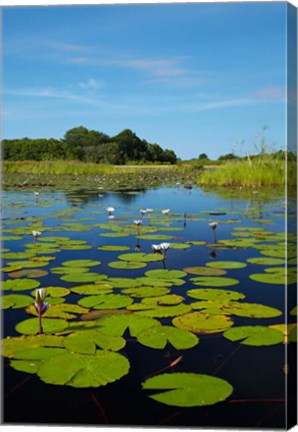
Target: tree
{"x":203,"y":156}
{"x":228,"y":156}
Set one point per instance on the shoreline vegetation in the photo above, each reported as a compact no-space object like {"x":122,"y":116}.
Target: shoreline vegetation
{"x":232,"y":174}
{"x":128,"y":161}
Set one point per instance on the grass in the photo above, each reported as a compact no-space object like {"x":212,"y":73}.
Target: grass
{"x":76,"y":168}
{"x":252,"y":173}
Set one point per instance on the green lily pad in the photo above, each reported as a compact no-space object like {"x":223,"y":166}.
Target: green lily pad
{"x":123,"y":282}
{"x":112,"y":248}
{"x":158,"y":336}
{"x":205,"y":271}
{"x":13,"y":345}
{"x":188,"y":389}
{"x":60,"y":310}
{"x":215,"y":294}
{"x":83,"y":277}
{"x":106,"y":301}
{"x":127,"y":265}
{"x":15,"y":301}
{"x":250,"y":310}
{"x":180,"y":245}
{"x":81,"y":263}
{"x":156,"y":237}
{"x":19,"y":255}
{"x":69,"y":270}
{"x":83,"y":370}
{"x":86,"y":341}
{"x":266,"y":261}
{"x":196,"y":242}
{"x":20,"y":284}
{"x":93,"y":289}
{"x":198,"y":322}
{"x":214,"y":281}
{"x":254,"y":335}
{"x":50,"y":325}
{"x":116,"y":325}
{"x":226,"y":264}
{"x":56,"y":292}
{"x":273,"y":278}
{"x":165,"y":274}
{"x":141,"y":257}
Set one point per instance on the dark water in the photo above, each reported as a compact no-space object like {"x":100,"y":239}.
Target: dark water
{"x":256,"y":373}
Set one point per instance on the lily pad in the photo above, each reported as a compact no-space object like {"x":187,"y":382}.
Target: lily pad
{"x":117,"y":324}
{"x":141,"y":257}
{"x":198,"y":322}
{"x":15,"y":301}
{"x":82,"y":370}
{"x":20,"y":284}
{"x":127,"y":265}
{"x":83,"y":277}
{"x":273,"y":278}
{"x":254,"y":335}
{"x":81,"y":263}
{"x":61,"y":310}
{"x":113,"y":248}
{"x":13,"y":345}
{"x":165,"y":274}
{"x":226,"y":264}
{"x":205,"y":271}
{"x":50,"y":325}
{"x":106,"y":301}
{"x":215,"y":294}
{"x":93,"y":289}
{"x":30,"y":273}
{"x":188,"y":389}
{"x":214,"y":281}
{"x":158,"y":336}
{"x":266,"y":261}
{"x":86,"y":341}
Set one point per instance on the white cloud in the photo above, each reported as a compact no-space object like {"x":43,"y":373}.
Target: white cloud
{"x":91,"y":84}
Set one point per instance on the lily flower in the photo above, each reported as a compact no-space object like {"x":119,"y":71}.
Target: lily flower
{"x":110,"y":209}
{"x":213,"y":225}
{"x":165,"y":212}
{"x":143,"y":212}
{"x":36,"y":233}
{"x":149,"y":210}
{"x":41,"y":306}
{"x":36,"y":194}
{"x":156,"y":248}
{"x":165,"y":246}
{"x":137,"y":222}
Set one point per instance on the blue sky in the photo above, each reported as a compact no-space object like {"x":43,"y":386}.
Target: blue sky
{"x":195,"y":78}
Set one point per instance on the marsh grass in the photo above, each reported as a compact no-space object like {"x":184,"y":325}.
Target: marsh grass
{"x":77,"y":168}
{"x":263,"y":170}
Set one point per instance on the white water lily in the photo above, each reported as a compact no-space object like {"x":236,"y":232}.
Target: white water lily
{"x":213,"y":225}
{"x":165,"y":246}
{"x":143,"y":212}
{"x":40,"y":295}
{"x":137,"y":222}
{"x":36,"y":233}
{"x":165,"y":212}
{"x":156,"y":248}
{"x":36,"y":194}
{"x":110,"y":209}
{"x":149,"y":210}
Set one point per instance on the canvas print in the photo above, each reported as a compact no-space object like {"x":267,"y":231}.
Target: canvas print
{"x":149,"y":215}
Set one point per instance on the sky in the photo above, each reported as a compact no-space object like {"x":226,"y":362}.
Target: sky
{"x":191,"y":77}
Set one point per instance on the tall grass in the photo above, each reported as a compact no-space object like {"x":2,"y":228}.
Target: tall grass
{"x":257,"y":172}
{"x":75,"y":168}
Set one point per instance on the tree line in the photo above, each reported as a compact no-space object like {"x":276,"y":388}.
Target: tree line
{"x":86,"y":145}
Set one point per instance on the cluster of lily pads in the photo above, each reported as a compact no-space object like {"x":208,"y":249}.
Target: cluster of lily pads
{"x":158,"y":307}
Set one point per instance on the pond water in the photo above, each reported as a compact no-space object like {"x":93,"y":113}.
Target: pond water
{"x":171,"y":312}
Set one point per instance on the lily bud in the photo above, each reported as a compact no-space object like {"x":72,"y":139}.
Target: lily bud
{"x":40,"y":295}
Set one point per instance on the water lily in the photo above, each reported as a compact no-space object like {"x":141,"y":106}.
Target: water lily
{"x":41,"y":306}
{"x":143,"y":212}
{"x":213,"y":225}
{"x":165,"y":212}
{"x":165,"y":246}
{"x":110,"y":210}
{"x":36,"y":194}
{"x":35,"y":235}
{"x":156,"y":248}
{"x":149,"y":210}
{"x":137,"y":222}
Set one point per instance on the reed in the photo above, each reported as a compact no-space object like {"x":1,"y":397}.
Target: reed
{"x":251,"y":172}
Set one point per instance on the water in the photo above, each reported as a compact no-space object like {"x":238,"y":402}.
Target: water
{"x":256,"y":373}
